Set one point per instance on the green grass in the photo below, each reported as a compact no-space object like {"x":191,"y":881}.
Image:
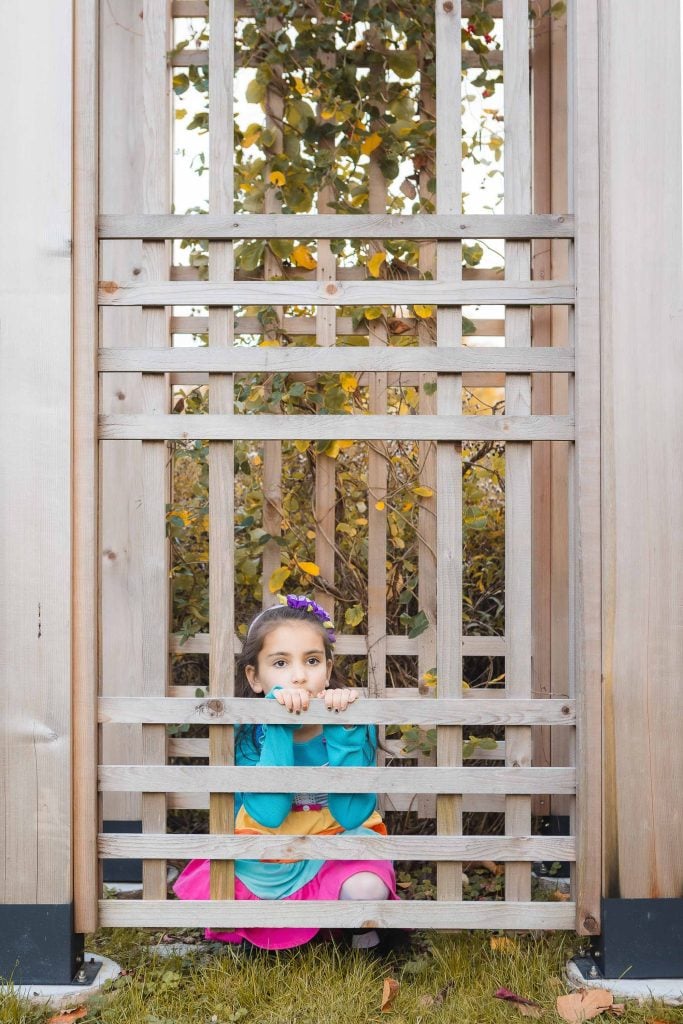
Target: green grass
{"x":323,"y":984}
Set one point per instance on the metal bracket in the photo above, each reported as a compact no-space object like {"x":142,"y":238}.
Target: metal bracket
{"x":588,"y":968}
{"x":87,"y":972}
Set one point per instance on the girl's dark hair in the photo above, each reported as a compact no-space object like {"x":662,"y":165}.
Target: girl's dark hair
{"x":251,"y":648}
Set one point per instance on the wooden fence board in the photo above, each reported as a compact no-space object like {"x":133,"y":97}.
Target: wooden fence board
{"x":337,"y":914}
{"x":357,"y":225}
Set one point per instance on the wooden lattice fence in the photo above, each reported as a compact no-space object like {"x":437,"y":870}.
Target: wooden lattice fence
{"x":139,"y":366}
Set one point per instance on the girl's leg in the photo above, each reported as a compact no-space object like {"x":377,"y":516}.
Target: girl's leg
{"x":364,"y":886}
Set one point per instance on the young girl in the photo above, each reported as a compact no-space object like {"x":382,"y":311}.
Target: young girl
{"x":287,"y":657}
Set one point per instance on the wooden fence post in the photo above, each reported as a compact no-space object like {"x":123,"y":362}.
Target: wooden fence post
{"x":37,"y":942}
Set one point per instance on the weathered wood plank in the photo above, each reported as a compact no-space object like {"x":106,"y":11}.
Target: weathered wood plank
{"x":444,"y":710}
{"x":518,"y":455}
{"x":588,"y":660}
{"x":221,"y":453}
{"x":338,"y":293}
{"x":152,"y":779}
{"x":267,"y":426}
{"x":85,"y":471}
{"x":318,"y":225}
{"x":243,"y":9}
{"x":356,"y":643}
{"x":341,"y":847}
{"x":337,"y":914}
{"x":179,"y":747}
{"x":316,"y":359}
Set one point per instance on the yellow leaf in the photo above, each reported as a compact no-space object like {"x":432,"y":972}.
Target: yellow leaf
{"x":373,"y":312}
{"x":303,"y":258}
{"x":327,"y":113}
{"x":310,"y":534}
{"x":277,"y":580}
{"x":370,"y":144}
{"x":270,"y":343}
{"x":354,"y":615}
{"x":256,"y":460}
{"x":424,"y":312}
{"x":502,"y":942}
{"x":276,"y":178}
{"x":359,"y":199}
{"x":310,"y":567}
{"x":301,"y":445}
{"x":180,"y":114}
{"x":380,"y":506}
{"x":332,"y":450}
{"x":495,"y":142}
{"x":299,"y":86}
{"x":348,"y":382}
{"x":251,"y":135}
{"x":375,"y":262}
{"x":423,"y":492}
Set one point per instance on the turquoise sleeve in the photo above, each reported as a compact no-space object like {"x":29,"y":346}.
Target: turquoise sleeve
{"x":351,"y":748}
{"x":271,"y":809}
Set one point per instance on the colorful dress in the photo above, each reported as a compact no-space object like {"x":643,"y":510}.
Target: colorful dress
{"x":295,"y":814}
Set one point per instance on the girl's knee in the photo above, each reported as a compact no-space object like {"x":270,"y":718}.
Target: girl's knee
{"x":364,"y":885}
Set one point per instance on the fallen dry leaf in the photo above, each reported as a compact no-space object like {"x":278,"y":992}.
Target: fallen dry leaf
{"x":584,"y":1004}
{"x":656,"y":1020}
{"x":502,"y":942}
{"x":528,"y":1011}
{"x":76,"y":1013}
{"x":389,"y":993}
{"x":440,"y":997}
{"x":618,"y":1009}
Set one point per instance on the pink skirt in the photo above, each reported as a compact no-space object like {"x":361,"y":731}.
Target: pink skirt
{"x":193,"y":884}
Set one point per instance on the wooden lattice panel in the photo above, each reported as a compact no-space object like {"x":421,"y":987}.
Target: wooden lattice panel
{"x":139,"y":288}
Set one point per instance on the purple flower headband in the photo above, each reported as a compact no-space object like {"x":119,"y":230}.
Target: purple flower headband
{"x":306,"y":604}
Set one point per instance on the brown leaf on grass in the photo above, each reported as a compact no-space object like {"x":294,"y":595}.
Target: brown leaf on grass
{"x":584,"y":1004}
{"x":440,"y":997}
{"x":389,"y":992}
{"x":656,"y":1020}
{"x":502,"y":942}
{"x":618,"y":1009}
{"x":74,"y":1013}
{"x":528,"y":1011}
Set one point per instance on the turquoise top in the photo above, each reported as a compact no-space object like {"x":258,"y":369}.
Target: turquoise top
{"x":337,"y":746}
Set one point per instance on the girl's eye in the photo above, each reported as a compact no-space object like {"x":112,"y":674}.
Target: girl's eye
{"x":314,"y":661}
{"x":278,"y":664}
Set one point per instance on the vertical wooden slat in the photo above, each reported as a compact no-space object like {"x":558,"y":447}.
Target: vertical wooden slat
{"x":85,"y":470}
{"x":326,"y":334}
{"x":120,"y":191}
{"x":585,"y":598}
{"x":517,"y":455}
{"x":221,"y":453}
{"x":156,"y":186}
{"x":449,"y":456}
{"x":272,"y":450}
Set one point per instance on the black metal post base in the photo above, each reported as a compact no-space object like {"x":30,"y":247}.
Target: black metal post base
{"x":38,"y":945}
{"x":128,"y":869}
{"x":639,"y":939}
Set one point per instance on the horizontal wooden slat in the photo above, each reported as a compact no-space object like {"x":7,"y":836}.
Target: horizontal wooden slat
{"x":357,"y":428}
{"x":243,"y":9}
{"x":384,"y":711}
{"x":306,"y":325}
{"x":337,"y":293}
{"x":315,"y":225}
{"x":184,"y":272}
{"x":258,"y":359}
{"x":341,"y":847}
{"x":400,"y":802}
{"x":181,"y":747}
{"x":336,"y":914}
{"x":354,"y":58}
{"x":472,"y":646}
{"x":135,"y":778}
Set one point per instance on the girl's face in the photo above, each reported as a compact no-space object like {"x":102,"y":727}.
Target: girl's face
{"x":292,"y":656}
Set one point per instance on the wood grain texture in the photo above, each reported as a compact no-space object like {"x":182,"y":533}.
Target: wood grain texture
{"x":358,"y":225}
{"x":85,"y":471}
{"x":337,"y":914}
{"x":453,"y":711}
{"x":272,"y":427}
{"x":642,"y":483}
{"x":221,"y":453}
{"x":585,"y":547}
{"x":356,"y":643}
{"x":339,"y":293}
{"x":330,"y":360}
{"x":152,"y":779}
{"x":341,"y":847}
{"x":35,"y":473}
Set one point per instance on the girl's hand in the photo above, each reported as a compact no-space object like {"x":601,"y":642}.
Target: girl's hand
{"x":295,"y":700}
{"x":338,"y":700}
